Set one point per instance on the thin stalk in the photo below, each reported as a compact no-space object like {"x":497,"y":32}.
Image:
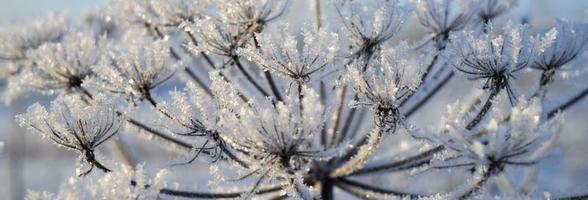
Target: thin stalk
{"x":199,"y":82}
{"x":483,"y":111}
{"x":423,"y":77}
{"x":327,"y":187}
{"x":404,"y":164}
{"x":161,"y":135}
{"x":428,"y":96}
{"x":477,"y":185}
{"x":317,"y":14}
{"x":363,"y":189}
{"x":268,"y":76}
{"x":192,"y":75}
{"x":249,"y":77}
{"x":210,"y":195}
{"x":568,"y":103}
{"x":118,"y":145}
{"x":300,"y":97}
{"x":578,"y":197}
{"x":337,"y":115}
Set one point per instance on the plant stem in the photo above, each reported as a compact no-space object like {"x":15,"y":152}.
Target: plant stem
{"x":209,"y":195}
{"x":483,"y":111}
{"x":327,"y":190}
{"x":248,"y":76}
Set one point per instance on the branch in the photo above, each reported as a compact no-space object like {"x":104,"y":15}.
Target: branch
{"x":568,"y":103}
{"x":159,"y":134}
{"x":209,"y":195}
{"x":577,"y":197}
{"x":362,"y":155}
{"x":427,"y":97}
{"x":363,"y":190}
{"x":408,"y":163}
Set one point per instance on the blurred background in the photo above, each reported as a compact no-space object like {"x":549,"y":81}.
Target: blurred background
{"x":28,"y":162}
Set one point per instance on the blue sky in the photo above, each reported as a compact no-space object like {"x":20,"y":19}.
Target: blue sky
{"x":13,"y":11}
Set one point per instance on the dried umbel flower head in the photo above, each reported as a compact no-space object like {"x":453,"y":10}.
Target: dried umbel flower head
{"x":212,"y":36}
{"x":187,"y":115}
{"x":492,"y":57}
{"x":62,"y":67}
{"x":15,"y":42}
{"x":286,"y":59}
{"x":387,"y":82}
{"x":133,"y":72}
{"x":280,"y":143}
{"x":518,"y":136}
{"x":75,"y":125}
{"x":367,"y":31}
{"x":153,"y":13}
{"x":490,"y":9}
{"x":441,"y":17}
{"x":250,"y":15}
{"x":567,"y":40}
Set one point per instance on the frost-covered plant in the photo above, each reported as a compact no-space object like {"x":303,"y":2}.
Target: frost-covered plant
{"x":16,"y":42}
{"x":368,"y":31}
{"x":74,"y":125}
{"x":441,"y":17}
{"x":387,"y":82}
{"x":63,"y":66}
{"x":250,"y":15}
{"x":285,"y":59}
{"x":568,"y":41}
{"x":186,"y":115}
{"x":135,"y":71}
{"x":280,"y":145}
{"x":280,"y":110}
{"x":490,"y":9}
{"x":519,"y":141}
